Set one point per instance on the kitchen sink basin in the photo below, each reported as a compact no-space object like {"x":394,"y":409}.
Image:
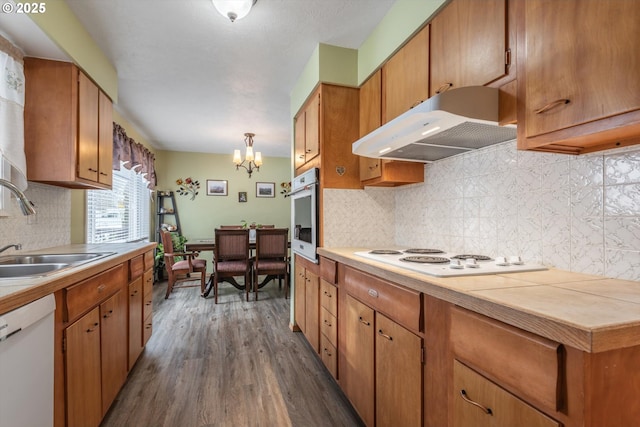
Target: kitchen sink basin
{"x":27,"y":270}
{"x":33,"y":265}
{"x":51,"y":258}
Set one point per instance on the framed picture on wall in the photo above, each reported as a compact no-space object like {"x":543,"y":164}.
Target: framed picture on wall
{"x":265,"y":189}
{"x":242,"y":196}
{"x":216,"y":187}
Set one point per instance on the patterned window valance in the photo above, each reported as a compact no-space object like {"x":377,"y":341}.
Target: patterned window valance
{"x":132,"y":154}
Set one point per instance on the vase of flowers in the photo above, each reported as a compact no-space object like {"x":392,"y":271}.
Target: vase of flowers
{"x":188,"y":187}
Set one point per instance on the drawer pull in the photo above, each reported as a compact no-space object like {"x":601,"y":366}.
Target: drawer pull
{"x":373,"y":293}
{"x":551,"y":105}
{"x":364,"y":322}
{"x":134,"y":293}
{"x":103,"y":174}
{"x":486,"y":410}
{"x":445,"y":87}
{"x":327,"y":294}
{"x":93,"y":170}
{"x":383,"y":335}
{"x":328,"y":353}
{"x":101,"y":288}
{"x":326,"y":322}
{"x":108,"y":314}
{"x":95,"y":326}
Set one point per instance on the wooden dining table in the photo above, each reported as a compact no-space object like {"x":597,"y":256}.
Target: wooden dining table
{"x":209,"y":244}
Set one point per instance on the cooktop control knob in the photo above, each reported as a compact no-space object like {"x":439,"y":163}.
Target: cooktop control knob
{"x":501,"y":261}
{"x":455,"y":263}
{"x":516,"y":260}
{"x":471,"y":263}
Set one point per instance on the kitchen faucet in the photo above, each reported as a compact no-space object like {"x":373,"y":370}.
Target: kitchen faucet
{"x":25,"y":205}
{"x":18,"y":246}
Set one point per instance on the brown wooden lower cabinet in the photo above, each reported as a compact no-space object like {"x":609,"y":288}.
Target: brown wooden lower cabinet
{"x":113,"y":347}
{"x":479,"y":402}
{"x":135,"y":321}
{"x":83,"y":375}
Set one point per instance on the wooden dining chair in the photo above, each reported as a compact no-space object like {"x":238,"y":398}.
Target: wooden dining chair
{"x":180,"y":270}
{"x":231,"y":258}
{"x":231,"y":227}
{"x":272,"y":257}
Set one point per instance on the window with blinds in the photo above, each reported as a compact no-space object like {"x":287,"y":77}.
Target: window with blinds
{"x":122,"y":214}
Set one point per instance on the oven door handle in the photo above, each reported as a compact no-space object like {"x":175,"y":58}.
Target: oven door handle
{"x":299,"y":190}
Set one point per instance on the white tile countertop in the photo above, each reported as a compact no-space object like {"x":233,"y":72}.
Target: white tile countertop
{"x":588,"y":312}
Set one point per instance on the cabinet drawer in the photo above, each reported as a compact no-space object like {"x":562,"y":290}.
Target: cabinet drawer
{"x":471,"y":389}
{"x":329,"y":326}
{"x":400,"y":304}
{"x":329,"y":297}
{"x":148,"y":260}
{"x":329,"y":356}
{"x":147,"y":280}
{"x":91,"y":292}
{"x":328,"y":270}
{"x":147,"y":305}
{"x":147,"y":329}
{"x":518,"y":359}
{"x":136,"y":267}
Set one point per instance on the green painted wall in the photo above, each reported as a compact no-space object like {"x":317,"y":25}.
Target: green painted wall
{"x":403,"y":19}
{"x":64,"y":29}
{"x":201,"y":216}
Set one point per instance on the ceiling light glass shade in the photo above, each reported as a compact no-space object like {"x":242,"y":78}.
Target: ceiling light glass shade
{"x":234,"y":9}
{"x":253,"y":161}
{"x":236,"y":157}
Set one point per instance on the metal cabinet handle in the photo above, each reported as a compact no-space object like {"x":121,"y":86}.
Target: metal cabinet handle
{"x":93,"y":170}
{"x":108,"y":314}
{"x":551,"y":105}
{"x":364,"y":322}
{"x":103,"y":174}
{"x":95,"y":326}
{"x":390,"y":338}
{"x":486,"y":410}
{"x":326,"y":322}
{"x":327,"y":352}
{"x":328,"y":294}
{"x":101,"y":288}
{"x":445,"y":87}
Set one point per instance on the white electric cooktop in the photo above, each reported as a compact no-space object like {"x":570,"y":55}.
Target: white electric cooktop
{"x":443,"y":264}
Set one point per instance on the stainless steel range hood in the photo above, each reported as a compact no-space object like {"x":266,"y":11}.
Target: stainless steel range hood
{"x":450,"y":123}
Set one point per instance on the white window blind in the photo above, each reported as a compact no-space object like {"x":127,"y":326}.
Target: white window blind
{"x":122,"y":214}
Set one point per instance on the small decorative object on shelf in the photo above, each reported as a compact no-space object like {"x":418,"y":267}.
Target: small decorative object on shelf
{"x":188,"y":187}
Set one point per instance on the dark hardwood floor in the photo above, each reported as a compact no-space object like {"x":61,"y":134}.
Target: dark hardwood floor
{"x":232,"y":364}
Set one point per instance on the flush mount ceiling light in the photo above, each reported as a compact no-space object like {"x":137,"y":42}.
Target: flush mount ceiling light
{"x":253,"y":163}
{"x":234,"y":9}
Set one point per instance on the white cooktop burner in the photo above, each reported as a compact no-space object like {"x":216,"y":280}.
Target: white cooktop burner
{"x":456,"y":267}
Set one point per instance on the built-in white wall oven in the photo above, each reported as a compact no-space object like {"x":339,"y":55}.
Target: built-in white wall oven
{"x":304,"y":214}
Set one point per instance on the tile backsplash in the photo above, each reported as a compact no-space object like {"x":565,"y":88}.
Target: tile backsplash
{"x":577,"y":213}
{"x":49,"y":227}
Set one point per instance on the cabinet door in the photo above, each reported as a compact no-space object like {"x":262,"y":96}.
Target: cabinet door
{"x":582,"y":52}
{"x":88,"y":95}
{"x":468,"y":44}
{"x":398,"y":375}
{"x":83,"y":372}
{"x":405,"y":77}
{"x":105,"y":139}
{"x":358,"y":373}
{"x":312,"y":128}
{"x":370,"y":120}
{"x":113,"y":333}
{"x":479,"y":402}
{"x":300,"y":286}
{"x":135,"y":320}
{"x":299,"y":137}
{"x":312,"y":309}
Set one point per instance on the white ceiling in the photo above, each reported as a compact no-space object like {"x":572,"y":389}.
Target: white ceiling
{"x":190,"y":80}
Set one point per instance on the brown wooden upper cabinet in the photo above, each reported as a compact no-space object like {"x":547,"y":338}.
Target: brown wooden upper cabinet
{"x":307,"y":131}
{"x":405,"y":77}
{"x":468,"y":44}
{"x":579,"y":82}
{"x":68,"y":126}
{"x":379,"y":172}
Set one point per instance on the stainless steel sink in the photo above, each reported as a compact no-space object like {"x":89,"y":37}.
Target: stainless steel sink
{"x":33,"y":265}
{"x":51,"y":258}
{"x":27,"y":270}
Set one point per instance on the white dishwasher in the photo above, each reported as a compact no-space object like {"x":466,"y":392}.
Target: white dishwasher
{"x":26,"y":365}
